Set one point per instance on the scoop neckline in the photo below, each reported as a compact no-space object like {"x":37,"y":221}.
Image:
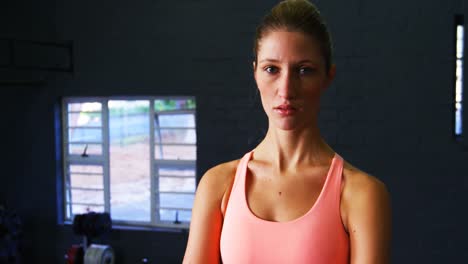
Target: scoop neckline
{"x":311,"y":209}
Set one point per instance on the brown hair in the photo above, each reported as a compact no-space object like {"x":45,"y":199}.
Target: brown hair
{"x":296,"y":16}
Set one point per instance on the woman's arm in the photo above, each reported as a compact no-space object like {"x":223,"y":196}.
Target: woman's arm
{"x":368,"y":219}
{"x":207,"y":219}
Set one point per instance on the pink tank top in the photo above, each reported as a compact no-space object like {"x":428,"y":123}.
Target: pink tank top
{"x":317,"y":237}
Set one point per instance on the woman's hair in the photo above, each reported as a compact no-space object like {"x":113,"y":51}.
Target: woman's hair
{"x":296,"y":16}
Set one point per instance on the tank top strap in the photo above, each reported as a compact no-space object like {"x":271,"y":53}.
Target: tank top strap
{"x":333,"y":190}
{"x":239,"y":178}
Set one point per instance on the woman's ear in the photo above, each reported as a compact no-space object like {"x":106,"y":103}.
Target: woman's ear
{"x":254,"y":66}
{"x":330,"y":75}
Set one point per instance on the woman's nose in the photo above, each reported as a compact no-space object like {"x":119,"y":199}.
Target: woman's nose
{"x":287,"y":86}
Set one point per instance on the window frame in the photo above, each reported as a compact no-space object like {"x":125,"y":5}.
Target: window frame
{"x":104,"y":159}
{"x":459,"y":59}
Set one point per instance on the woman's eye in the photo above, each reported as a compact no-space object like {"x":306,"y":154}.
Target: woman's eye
{"x":271,"y":69}
{"x":305,"y":70}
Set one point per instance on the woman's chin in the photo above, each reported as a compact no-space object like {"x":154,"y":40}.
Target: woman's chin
{"x":288,"y":125}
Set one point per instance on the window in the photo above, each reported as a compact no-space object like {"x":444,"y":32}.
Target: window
{"x":134,"y":158}
{"x":460,"y":39}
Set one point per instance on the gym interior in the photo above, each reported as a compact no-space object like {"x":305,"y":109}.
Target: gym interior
{"x":394,"y":109}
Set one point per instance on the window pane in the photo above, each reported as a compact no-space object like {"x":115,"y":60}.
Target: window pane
{"x":175,"y":152}
{"x":84,"y":107}
{"x":82,"y":209}
{"x":170,"y":215}
{"x":458,"y":121}
{"x":129,"y":121}
{"x":91,"y":149}
{"x":460,"y":41}
{"x":459,"y":70}
{"x":87,"y":196}
{"x":459,"y":78}
{"x":130,"y":160}
{"x":86,"y":169}
{"x":84,"y":119}
{"x":84,"y":135}
{"x":176,"y":200}
{"x":120,"y":108}
{"x":138,"y":211}
{"x":86,"y":181}
{"x":174,"y":184}
{"x":68,"y":211}
{"x":176,"y":120}
{"x":175,"y":171}
{"x":173,"y":104}
{"x":185,"y":136}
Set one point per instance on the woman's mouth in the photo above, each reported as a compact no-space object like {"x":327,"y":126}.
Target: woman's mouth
{"x":285,"y":110}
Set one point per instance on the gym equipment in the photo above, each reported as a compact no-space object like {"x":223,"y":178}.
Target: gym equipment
{"x":91,"y":225}
{"x":75,"y":254}
{"x":99,"y":254}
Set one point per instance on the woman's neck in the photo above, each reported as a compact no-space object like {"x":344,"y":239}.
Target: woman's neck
{"x":292,"y":149}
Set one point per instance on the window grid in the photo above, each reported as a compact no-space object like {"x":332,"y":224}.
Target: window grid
{"x":163,"y":162}
{"x":106,"y":153}
{"x":154,"y":180}
{"x":103,"y":160}
{"x":460,"y":38}
{"x":71,"y":160}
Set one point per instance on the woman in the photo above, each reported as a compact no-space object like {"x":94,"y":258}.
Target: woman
{"x":292,"y":199}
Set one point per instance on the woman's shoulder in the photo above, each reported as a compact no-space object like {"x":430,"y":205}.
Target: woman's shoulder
{"x":219,"y":178}
{"x":366,"y":214}
{"x":357,"y":180}
{"x":206,"y":221}
{"x":221,"y":172}
{"x":362,"y":194}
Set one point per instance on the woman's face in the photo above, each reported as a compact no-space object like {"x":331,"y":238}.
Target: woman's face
{"x":291,"y":75}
